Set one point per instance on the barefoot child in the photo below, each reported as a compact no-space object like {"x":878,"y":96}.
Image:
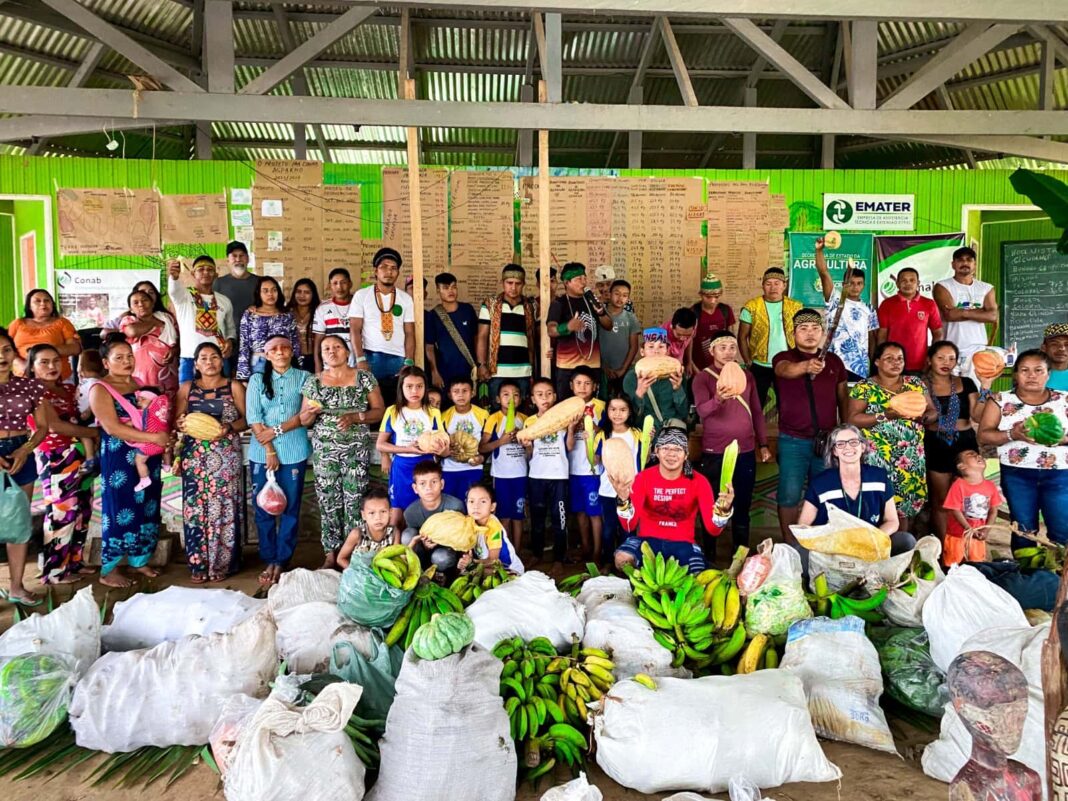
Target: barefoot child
{"x":547,"y":481}
{"x":90,"y":370}
{"x":584,"y":482}
{"x":373,"y":532}
{"x":493,"y":545}
{"x":509,"y":465}
{"x":972,"y":501}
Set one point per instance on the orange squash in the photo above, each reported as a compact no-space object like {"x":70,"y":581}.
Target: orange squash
{"x":732,"y":380}
{"x":909,"y":404}
{"x":988,"y":363}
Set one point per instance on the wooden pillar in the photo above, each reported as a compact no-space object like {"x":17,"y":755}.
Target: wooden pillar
{"x":544,"y":248}
{"x":416,"y":221}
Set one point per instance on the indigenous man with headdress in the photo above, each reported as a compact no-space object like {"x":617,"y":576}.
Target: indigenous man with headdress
{"x":1055,"y":345}
{"x":203,"y":315}
{"x":507,"y":334}
{"x":764,"y":328}
{"x":573,"y":321}
{"x":663,"y":504}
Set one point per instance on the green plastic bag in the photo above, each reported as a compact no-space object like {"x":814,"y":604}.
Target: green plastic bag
{"x":377,"y":675}
{"x":364,"y":597}
{"x":912,"y":677}
{"x":35,"y":690}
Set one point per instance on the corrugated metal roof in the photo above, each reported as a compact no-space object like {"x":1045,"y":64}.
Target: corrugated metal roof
{"x":475,"y":55}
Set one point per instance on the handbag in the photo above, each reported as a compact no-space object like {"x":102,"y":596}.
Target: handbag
{"x":819,"y":438}
{"x":15,"y":527}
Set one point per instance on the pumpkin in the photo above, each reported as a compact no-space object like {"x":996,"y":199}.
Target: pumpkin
{"x":452,"y":529}
{"x":1045,"y":428}
{"x":620,"y":465}
{"x":464,"y":446}
{"x":557,"y":418}
{"x":732,"y":380}
{"x":657,"y":367}
{"x":909,"y":404}
{"x":988,"y":363}
{"x":435,"y":442}
{"x":443,"y":635}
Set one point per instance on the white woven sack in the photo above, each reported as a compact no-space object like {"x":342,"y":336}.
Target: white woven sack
{"x":147,"y":619}
{"x":530,"y":606}
{"x":72,"y":629}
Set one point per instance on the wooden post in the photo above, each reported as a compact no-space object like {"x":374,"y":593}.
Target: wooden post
{"x":1054,"y":684}
{"x":416,"y":221}
{"x":544,"y":248}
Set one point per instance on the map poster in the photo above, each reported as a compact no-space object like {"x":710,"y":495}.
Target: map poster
{"x":97,"y":222}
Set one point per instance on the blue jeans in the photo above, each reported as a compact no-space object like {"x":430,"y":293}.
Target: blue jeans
{"x":611,"y":531}
{"x":385,"y":367}
{"x":278,"y":535}
{"x":1030,"y":491}
{"x":798,"y":464}
{"x":186,"y":370}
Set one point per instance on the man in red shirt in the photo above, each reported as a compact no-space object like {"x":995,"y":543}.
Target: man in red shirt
{"x":907,"y":317}
{"x":663,"y":505}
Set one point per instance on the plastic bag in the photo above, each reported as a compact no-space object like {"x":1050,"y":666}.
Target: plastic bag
{"x":780,"y":600}
{"x":307,"y":634}
{"x":287,"y":752}
{"x":575,"y":790}
{"x":235,"y":714}
{"x":16,"y":524}
{"x":912,"y":677}
{"x":35,"y":691}
{"x":756,"y":569}
{"x":300,"y":586}
{"x":375,"y":671}
{"x":447,"y":735}
{"x":172,"y":694}
{"x":962,"y":606}
{"x":364,"y":597}
{"x":147,"y":619}
{"x":840,"y":670}
{"x":529,"y":607}
{"x":757,"y":722}
{"x":73,"y":629}
{"x":845,"y":535}
{"x":272,"y":498}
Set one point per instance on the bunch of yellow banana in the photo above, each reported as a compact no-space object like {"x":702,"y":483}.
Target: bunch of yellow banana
{"x":398,"y":566}
{"x":428,"y":600}
{"x":760,"y":654}
{"x":584,"y":677}
{"x":479,"y":578}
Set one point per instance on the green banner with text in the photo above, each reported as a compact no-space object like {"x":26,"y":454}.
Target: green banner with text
{"x":805,"y":281}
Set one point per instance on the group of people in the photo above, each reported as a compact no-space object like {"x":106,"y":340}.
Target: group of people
{"x":310,"y":378}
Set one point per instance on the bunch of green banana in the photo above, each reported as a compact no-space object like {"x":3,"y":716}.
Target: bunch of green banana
{"x":563,"y":743}
{"x":572,"y":585}
{"x":429,"y":599}
{"x":1040,"y":557}
{"x":479,"y":578}
{"x":760,"y":654}
{"x":839,"y":604}
{"x":398,"y":566}
{"x":363,"y":732}
{"x":917,"y":569}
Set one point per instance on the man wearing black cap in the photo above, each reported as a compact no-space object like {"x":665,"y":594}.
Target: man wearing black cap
{"x":382,"y":324}
{"x":765,"y":328}
{"x":572,"y":325}
{"x":239,"y":285}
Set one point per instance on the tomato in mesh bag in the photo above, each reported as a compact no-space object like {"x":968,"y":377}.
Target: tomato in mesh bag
{"x":272,"y":498}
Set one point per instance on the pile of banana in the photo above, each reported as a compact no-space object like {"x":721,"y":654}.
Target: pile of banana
{"x":1040,"y":556}
{"x":572,"y":585}
{"x":479,"y":578}
{"x":836,"y":605}
{"x":545,"y":696}
{"x":429,"y":599}
{"x":697,"y":618}
{"x":398,"y":566}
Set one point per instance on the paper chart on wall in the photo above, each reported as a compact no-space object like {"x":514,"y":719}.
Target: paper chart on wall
{"x":193,"y":218}
{"x":396,"y":220}
{"x":341,"y":228}
{"x":482,"y":212}
{"x":108,"y":221}
{"x":738,"y":237}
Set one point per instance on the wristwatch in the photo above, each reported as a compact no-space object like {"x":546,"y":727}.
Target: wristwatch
{"x":278,"y":430}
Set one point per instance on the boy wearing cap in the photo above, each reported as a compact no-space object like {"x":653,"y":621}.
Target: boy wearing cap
{"x":712,"y":317}
{"x":765,"y":329}
{"x":1055,"y":346}
{"x":619,"y":346}
{"x":382,"y":324}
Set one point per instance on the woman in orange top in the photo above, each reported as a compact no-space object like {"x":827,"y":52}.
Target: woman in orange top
{"x":42,"y":325}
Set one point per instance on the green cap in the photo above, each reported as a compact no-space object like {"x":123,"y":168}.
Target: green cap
{"x":710,"y":283}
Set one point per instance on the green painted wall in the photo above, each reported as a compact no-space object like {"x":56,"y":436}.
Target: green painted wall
{"x":30,"y":216}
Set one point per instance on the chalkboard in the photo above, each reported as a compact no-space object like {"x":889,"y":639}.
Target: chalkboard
{"x":1034,"y":291}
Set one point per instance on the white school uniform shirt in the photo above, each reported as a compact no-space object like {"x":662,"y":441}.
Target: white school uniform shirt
{"x":548,"y":458}
{"x":580,"y":464}
{"x":471,"y":422}
{"x":508,"y":461}
{"x":633,"y":439}
{"x":364,"y":307}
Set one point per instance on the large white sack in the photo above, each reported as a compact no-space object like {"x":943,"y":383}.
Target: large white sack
{"x":614,"y":625}
{"x":964,"y":605}
{"x":286,"y":752}
{"x":1022,"y":646}
{"x":755,"y":725}
{"x":843,"y":680}
{"x":172,"y":694}
{"x":147,"y":619}
{"x":447,"y":734}
{"x":575,"y":790}
{"x":307,"y":634}
{"x":300,"y":586}
{"x":73,"y":629}
{"x":529,"y":607}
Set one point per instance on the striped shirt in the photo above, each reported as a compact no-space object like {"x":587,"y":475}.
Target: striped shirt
{"x":292,"y":446}
{"x":513,"y":355}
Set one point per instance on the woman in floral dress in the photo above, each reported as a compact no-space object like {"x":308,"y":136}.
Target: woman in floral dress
{"x":895,"y":443}
{"x":340,"y":404}
{"x":265,"y":318}
{"x":213,"y":499}
{"x":66,"y":483}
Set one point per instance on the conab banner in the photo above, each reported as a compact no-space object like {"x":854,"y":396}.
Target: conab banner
{"x":930,"y":256}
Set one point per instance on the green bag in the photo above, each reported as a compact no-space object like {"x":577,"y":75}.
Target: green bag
{"x":377,"y":675}
{"x":364,"y":597}
{"x":15,"y":526}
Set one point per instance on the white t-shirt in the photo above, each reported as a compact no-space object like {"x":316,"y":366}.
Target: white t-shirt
{"x":472,"y":422}
{"x":508,"y":461}
{"x":364,"y":307}
{"x":332,"y":318}
{"x":631,"y":437}
{"x":548,"y":459}
{"x":406,"y":425}
{"x":968,"y":335}
{"x":185,"y":314}
{"x":580,"y":463}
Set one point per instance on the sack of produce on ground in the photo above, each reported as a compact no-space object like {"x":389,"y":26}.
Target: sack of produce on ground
{"x":236,"y":712}
{"x":840,"y":670}
{"x":912,"y":677}
{"x":300,"y":586}
{"x":376,"y":671}
{"x":1022,"y":646}
{"x":528,"y":607}
{"x":447,"y":736}
{"x":575,"y":790}
{"x":307,"y":635}
{"x":147,"y":619}
{"x":962,"y":606}
{"x":72,"y":629}
{"x":172,"y":694}
{"x":780,"y":598}
{"x":845,"y":535}
{"x":35,"y":691}
{"x":286,"y":752}
{"x":756,"y":725}
{"x":614,"y":625}
{"x":1033,"y":588}
{"x":369,"y":599}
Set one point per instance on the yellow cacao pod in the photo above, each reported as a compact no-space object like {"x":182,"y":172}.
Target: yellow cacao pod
{"x":202,"y":426}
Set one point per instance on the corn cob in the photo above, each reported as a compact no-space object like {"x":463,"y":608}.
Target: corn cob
{"x":647,"y":439}
{"x":509,"y":419}
{"x":730,"y":458}
{"x":591,"y":440}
